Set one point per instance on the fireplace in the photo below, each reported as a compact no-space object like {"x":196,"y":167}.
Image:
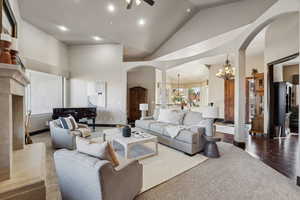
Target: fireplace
{"x":21,"y":167}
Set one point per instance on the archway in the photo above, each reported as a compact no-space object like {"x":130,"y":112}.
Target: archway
{"x":260,"y":24}
{"x":142,"y":88}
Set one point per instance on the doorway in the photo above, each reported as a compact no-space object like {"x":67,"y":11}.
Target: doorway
{"x":283,"y":90}
{"x":137,"y":96}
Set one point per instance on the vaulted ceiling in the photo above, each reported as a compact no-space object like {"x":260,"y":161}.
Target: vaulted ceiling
{"x":87,"y":18}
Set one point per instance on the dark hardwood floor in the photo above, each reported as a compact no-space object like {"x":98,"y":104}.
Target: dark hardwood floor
{"x":280,"y":154}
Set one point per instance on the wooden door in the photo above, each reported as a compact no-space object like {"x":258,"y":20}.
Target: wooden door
{"x":137,"y":96}
{"x":229,"y":101}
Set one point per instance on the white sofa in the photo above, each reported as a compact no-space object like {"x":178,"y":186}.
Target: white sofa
{"x":190,"y":140}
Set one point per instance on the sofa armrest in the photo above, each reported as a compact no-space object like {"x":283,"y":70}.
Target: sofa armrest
{"x":125,"y":164}
{"x":79,"y":175}
{"x":62,"y":138}
{"x":128,"y":179}
{"x":207,"y":124}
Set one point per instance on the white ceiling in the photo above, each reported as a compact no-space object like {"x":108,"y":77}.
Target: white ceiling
{"x":87,"y":18}
{"x":193,"y":72}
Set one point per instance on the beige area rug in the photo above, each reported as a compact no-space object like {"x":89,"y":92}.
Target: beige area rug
{"x":164,"y":166}
{"x":157,"y":169}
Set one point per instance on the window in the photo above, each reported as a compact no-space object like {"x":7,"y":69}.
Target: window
{"x":44,"y":93}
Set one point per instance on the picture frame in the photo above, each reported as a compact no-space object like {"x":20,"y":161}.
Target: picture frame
{"x":8,"y":22}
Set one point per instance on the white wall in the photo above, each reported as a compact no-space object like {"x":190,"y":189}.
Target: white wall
{"x":143,"y":77}
{"x":216,"y":89}
{"x":254,"y":61}
{"x":282,"y":38}
{"x":104,"y":63}
{"x":42,"y":52}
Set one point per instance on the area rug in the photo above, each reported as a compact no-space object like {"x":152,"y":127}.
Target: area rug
{"x":164,"y":166}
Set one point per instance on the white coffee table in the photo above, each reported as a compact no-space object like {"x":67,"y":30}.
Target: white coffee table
{"x":115,"y":135}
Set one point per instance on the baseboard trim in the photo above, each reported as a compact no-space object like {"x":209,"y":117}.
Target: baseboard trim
{"x":241,"y":145}
{"x":298,"y":181}
{"x":39,"y":131}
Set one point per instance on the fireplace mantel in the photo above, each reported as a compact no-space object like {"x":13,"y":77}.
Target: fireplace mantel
{"x":14,"y":72}
{"x":15,"y":157}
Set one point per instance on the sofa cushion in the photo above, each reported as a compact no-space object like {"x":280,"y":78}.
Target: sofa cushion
{"x":158,"y":127}
{"x":144,"y":124}
{"x":103,"y":151}
{"x":190,"y":137}
{"x":192,"y":118}
{"x":66,"y":123}
{"x":171,"y":116}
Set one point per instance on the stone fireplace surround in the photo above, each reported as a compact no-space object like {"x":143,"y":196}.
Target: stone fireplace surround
{"x":22,"y":167}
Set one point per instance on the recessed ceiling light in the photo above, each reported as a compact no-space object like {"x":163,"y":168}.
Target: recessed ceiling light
{"x":188,"y":10}
{"x":111,"y":7}
{"x":141,"y":22}
{"x":62,"y":28}
{"x":97,"y":38}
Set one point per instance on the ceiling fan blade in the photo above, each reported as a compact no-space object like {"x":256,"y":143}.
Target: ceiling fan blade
{"x":150,"y":2}
{"x":129,"y":5}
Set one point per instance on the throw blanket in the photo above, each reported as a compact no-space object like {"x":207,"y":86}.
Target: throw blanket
{"x":83,"y":132}
{"x":173,"y":131}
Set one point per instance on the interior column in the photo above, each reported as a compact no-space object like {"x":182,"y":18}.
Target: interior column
{"x":164,"y":89}
{"x":240,"y":100}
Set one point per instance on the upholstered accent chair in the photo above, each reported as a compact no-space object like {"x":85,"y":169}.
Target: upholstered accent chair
{"x":64,"y":138}
{"x":83,"y":177}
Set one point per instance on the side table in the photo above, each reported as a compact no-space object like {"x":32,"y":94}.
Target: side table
{"x":211,"y":148}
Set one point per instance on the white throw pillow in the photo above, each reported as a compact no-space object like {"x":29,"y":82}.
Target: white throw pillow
{"x":98,"y":150}
{"x":171,"y":116}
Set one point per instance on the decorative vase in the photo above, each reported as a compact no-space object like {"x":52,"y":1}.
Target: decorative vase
{"x":13,"y":55}
{"x":5,"y":56}
{"x":126,"y":131}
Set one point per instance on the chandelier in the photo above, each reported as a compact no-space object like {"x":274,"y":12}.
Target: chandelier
{"x":138,"y":2}
{"x":177,"y":97}
{"x":228,"y":72}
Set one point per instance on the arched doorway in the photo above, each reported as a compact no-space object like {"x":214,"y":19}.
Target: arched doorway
{"x":141,"y":89}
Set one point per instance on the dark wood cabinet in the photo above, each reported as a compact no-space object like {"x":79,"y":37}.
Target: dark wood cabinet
{"x":229,"y":101}
{"x":283,"y":100}
{"x":137,"y":96}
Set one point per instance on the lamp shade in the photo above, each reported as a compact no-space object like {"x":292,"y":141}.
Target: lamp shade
{"x":143,"y":107}
{"x":210,"y":112}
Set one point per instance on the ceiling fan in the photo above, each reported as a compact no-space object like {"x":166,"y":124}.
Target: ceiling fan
{"x":138,"y":2}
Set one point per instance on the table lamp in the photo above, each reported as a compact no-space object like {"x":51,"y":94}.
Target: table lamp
{"x":144,"y":109}
{"x":210,"y":113}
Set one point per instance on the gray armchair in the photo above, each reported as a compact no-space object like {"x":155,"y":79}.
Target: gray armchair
{"x":63,"y":138}
{"x":84,"y":177}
